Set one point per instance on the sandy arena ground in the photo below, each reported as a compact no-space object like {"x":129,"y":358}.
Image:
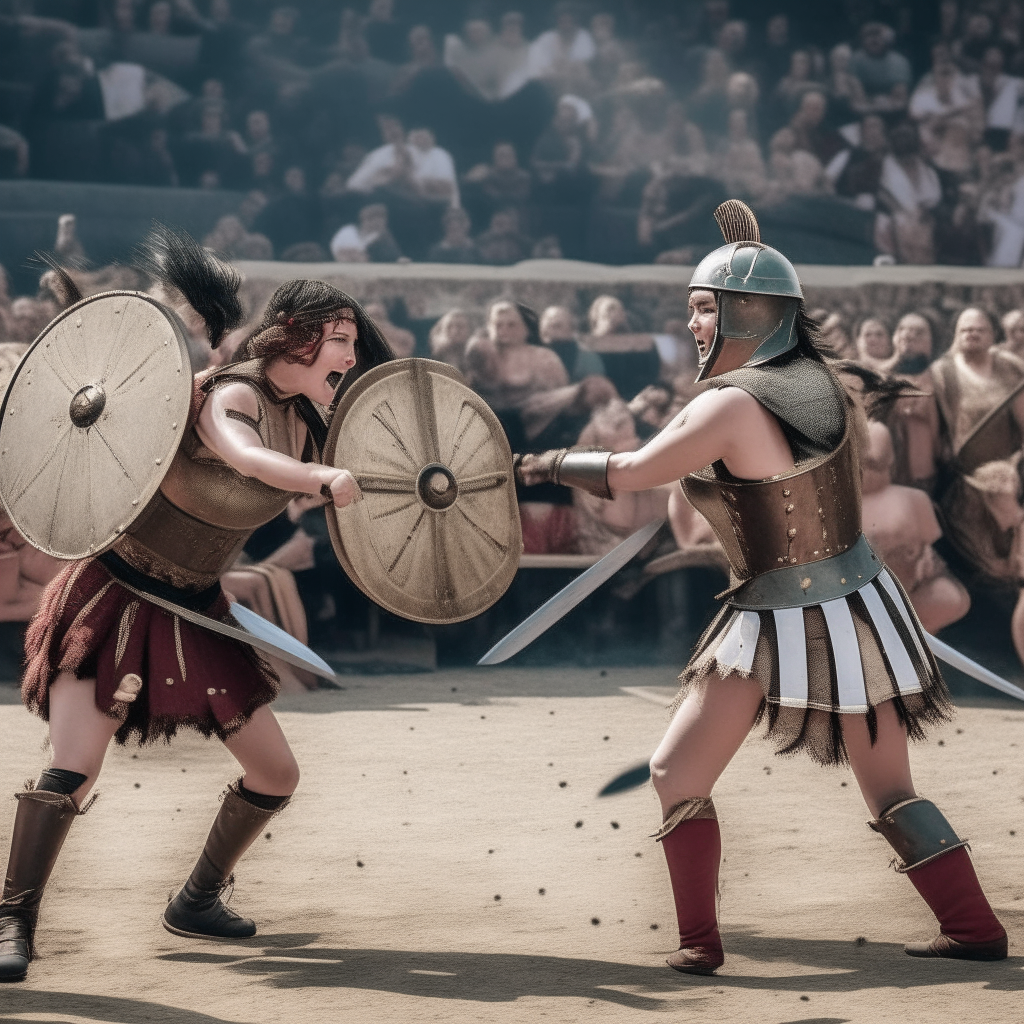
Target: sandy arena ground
{"x":427,"y":797}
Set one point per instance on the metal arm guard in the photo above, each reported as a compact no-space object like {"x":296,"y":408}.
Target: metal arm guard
{"x":586,"y":470}
{"x":917,"y":831}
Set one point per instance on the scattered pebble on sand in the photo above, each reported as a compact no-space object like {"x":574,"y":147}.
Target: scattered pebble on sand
{"x":138,"y":785}
{"x":637,"y":854}
{"x":615,"y":824}
{"x":490,"y":851}
{"x":595,"y":920}
{"x":455,"y":689}
{"x":654,"y":927}
{"x":267,"y":835}
{"x":604,"y":672}
{"x":805,"y":999}
{"x":607,"y":737}
{"x":942,"y":743}
{"x":860,"y":941}
{"x":579,"y":824}
{"x":562,"y":785}
{"x":842,"y":783}
{"x":497,"y":898}
{"x":542,"y":891}
{"x":359,"y":863}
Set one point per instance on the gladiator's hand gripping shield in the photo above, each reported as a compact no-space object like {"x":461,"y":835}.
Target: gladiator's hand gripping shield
{"x":436,"y":537}
{"x":757,"y":292}
{"x":91,"y":420}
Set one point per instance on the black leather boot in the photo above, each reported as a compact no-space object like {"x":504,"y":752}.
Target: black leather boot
{"x":198,"y":912}
{"x":41,"y":825}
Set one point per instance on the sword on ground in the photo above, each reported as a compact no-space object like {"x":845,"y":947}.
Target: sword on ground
{"x":586,"y":583}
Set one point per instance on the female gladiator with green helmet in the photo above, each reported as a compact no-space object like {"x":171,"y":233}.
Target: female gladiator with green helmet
{"x":815,"y":638}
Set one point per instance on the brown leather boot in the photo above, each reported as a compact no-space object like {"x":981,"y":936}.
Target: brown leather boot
{"x":935,"y":859}
{"x":693,"y":849}
{"x":198,"y":912}
{"x":41,"y":825}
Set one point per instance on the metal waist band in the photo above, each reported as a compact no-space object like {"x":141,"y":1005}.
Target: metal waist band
{"x":124,"y":572}
{"x":798,"y":586}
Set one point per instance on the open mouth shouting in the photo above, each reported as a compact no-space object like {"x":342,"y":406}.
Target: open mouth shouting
{"x":334,"y":378}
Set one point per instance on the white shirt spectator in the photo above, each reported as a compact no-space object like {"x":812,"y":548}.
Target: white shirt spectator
{"x":912,"y":192}
{"x":377,"y":168}
{"x":351,"y":239}
{"x":476,"y":59}
{"x":926,"y":101}
{"x":433,"y":169}
{"x":123,"y":87}
{"x":1004,"y":112}
{"x":548,"y":53}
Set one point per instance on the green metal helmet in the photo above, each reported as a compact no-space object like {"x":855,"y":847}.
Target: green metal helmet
{"x":756,"y":291}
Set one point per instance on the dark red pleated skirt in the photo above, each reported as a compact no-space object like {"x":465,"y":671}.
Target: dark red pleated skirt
{"x":154,"y":672}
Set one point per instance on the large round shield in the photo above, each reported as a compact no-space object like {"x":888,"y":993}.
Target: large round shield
{"x":91,"y":421}
{"x":436,"y":537}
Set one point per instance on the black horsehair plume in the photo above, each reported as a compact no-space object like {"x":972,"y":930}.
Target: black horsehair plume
{"x":65,"y":290}
{"x":208,"y":284}
{"x":737,"y":222}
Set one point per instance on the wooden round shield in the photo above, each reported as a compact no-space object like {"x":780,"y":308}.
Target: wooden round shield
{"x":91,"y":421}
{"x":436,"y":537}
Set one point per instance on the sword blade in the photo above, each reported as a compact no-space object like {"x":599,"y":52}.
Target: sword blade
{"x":568,"y":597}
{"x":256,"y":632}
{"x":629,"y":779}
{"x":951,"y":656}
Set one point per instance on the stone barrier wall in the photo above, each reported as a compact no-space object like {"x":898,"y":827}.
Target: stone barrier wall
{"x":651,"y":294}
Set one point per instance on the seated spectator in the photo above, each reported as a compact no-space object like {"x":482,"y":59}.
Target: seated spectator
{"x":558,"y":332}
{"x":609,"y":54}
{"x":602,"y":524}
{"x":13,"y":153}
{"x":449,"y":337}
{"x":1000,"y":95}
{"x":293,"y":216}
{"x":558,"y":156}
{"x":978,"y":36}
{"x":809,"y":127}
{"x":833,"y":333}
{"x":709,"y":105}
{"x":785,"y":100}
{"x":473,"y":58}
{"x":280,"y":56}
{"x":387,"y":164}
{"x":776,"y":52}
{"x":385,"y":35}
{"x":792,"y":171}
{"x":909,"y":190}
{"x":914,"y":421}
{"x":213,"y":148}
{"x":847,"y":100}
{"x":649,"y":409}
{"x":500,"y":184}
{"x":561,"y":54}
{"x":874,"y":347}
{"x":676,"y":213}
{"x":631,"y":359}
{"x":860,"y":176}
{"x":423,"y":60}
{"x":456,"y":246}
{"x":402,"y":342}
{"x":503,"y":243}
{"x":740,"y":166}
{"x":369,"y":241}
{"x":884,"y":73}
{"x":943,"y":93}
{"x":1013,"y":331}
{"x":433,"y":170}
{"x":511,"y":56}
{"x":900,"y":524}
{"x":230,"y":238}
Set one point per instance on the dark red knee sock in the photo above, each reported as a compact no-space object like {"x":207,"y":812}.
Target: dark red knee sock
{"x":693,"y":850}
{"x":950,"y":887}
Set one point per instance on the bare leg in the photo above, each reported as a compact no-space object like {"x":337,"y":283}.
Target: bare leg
{"x":882,"y":771}
{"x":79,"y":732}
{"x":705,"y":733}
{"x":261,"y":749}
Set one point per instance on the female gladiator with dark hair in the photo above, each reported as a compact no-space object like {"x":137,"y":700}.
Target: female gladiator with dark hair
{"x":815,"y":639}
{"x":103,"y":662}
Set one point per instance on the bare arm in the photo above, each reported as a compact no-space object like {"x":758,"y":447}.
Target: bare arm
{"x":726,"y":424}
{"x":241,"y":448}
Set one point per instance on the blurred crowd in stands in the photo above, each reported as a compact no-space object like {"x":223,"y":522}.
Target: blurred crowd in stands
{"x":492,"y":132}
{"x":941,"y":462}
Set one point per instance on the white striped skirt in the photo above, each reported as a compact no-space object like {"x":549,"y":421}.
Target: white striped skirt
{"x":841,"y":657}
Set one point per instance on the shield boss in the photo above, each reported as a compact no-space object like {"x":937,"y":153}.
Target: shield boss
{"x":436,"y":537}
{"x":91,"y":420}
